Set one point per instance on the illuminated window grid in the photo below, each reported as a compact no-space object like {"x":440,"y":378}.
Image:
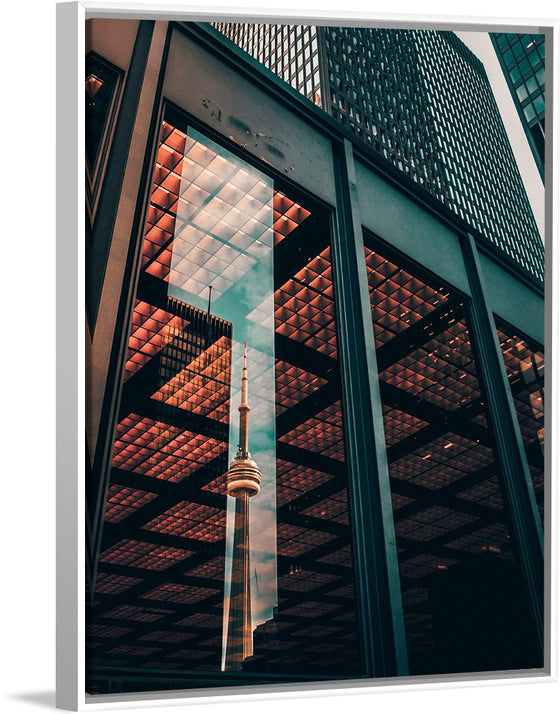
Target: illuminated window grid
{"x":522,"y":362}
{"x":293,"y":541}
{"x":175,"y":592}
{"x":111,"y":584}
{"x":334,"y":508}
{"x":441,"y":462}
{"x":134,"y":651}
{"x":398,"y":500}
{"x":432,"y":476}
{"x":149,"y":556}
{"x":431,"y":523}
{"x":166,"y":636}
{"x":304,"y":580}
{"x":200,"y":619}
{"x":311,"y":609}
{"x":160,"y":225}
{"x":287,"y":215}
{"x":224,"y":215}
{"x":294,"y":384}
{"x":160,"y":451}
{"x":107,"y":631}
{"x":184,"y":455}
{"x":304,"y":307}
{"x":438,"y":380}
{"x":293,"y":480}
{"x":123,"y":502}
{"x":151,"y":329}
{"x":191,"y":520}
{"x":421,"y":565}
{"x":530,"y":414}
{"x":398,"y":299}
{"x":204,"y":386}
{"x":400,"y":425}
{"x":486,"y":493}
{"x":342,"y":556}
{"x":162,"y":213}
{"x":321,"y":433}
{"x":214,"y":568}
{"x":137,"y":614}
{"x":515,"y":352}
{"x":138,"y":438}
{"x":219,"y":230}
{"x":217,"y":485}
{"x":493,"y":538}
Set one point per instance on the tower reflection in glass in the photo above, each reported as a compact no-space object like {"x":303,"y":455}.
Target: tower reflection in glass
{"x":243,"y":481}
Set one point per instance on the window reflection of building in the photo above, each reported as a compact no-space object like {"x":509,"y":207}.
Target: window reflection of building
{"x":450,"y":519}
{"x":385,"y":87}
{"x":316,"y":599}
{"x":522,"y":60}
{"x":524,"y":365}
{"x":248,"y":243}
{"x":166,"y":546}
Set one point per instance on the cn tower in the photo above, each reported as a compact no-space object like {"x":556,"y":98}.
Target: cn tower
{"x":243,"y":481}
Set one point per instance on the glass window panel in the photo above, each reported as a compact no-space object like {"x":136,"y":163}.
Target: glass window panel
{"x":521,"y":92}
{"x":222,"y":266}
{"x":529,"y":112}
{"x":456,"y":561}
{"x":524,"y":364}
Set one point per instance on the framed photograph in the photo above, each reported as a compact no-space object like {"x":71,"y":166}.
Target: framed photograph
{"x":309,"y":356}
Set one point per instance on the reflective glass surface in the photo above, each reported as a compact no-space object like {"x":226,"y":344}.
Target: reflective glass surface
{"x":463,"y":598}
{"x":524,"y":362}
{"x":206,"y":571}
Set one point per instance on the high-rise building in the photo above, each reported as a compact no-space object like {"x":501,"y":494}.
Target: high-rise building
{"x":243,"y":482}
{"x":522,"y":59}
{"x":422,"y":100}
{"x":395,"y":359}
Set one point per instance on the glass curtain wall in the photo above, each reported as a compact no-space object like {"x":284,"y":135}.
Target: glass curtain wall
{"x":463,"y":599}
{"x":524,"y":362}
{"x":231,"y":263}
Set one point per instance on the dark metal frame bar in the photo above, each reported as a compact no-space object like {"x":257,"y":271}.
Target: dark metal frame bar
{"x":526,"y":529}
{"x":378,"y":591}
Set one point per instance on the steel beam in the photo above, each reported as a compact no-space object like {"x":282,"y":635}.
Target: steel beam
{"x":378,"y":591}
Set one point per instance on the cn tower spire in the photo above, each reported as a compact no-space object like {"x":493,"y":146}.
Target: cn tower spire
{"x":243,"y":481}
{"x":244,"y":409}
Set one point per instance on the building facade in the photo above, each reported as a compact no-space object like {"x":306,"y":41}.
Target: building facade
{"x":423,"y":101}
{"x":395,"y":360}
{"x":522,"y":58}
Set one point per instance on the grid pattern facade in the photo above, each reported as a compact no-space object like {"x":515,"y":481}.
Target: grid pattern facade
{"x":522,"y":59}
{"x":290,"y":51}
{"x":216,"y":226}
{"x":423,"y":101}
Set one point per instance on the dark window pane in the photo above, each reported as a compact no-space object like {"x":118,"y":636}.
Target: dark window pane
{"x":222,"y":266}
{"x":457,"y":566}
{"x":525,"y":370}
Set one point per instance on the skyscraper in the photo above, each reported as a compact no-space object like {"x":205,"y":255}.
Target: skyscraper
{"x":422,"y":100}
{"x":522,"y":60}
{"x":396,"y":372}
{"x":243,"y":481}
